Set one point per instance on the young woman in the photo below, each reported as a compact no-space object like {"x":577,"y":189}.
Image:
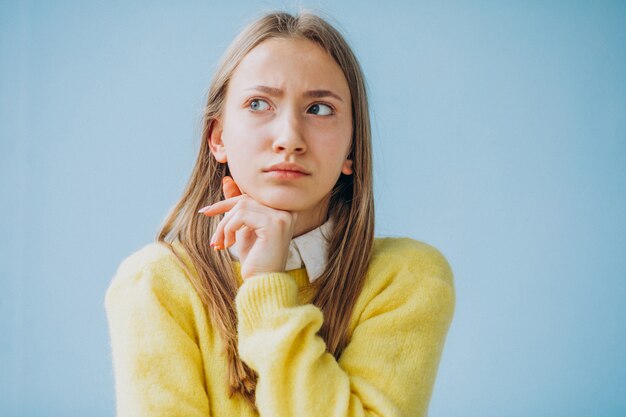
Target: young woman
{"x":266,"y":292}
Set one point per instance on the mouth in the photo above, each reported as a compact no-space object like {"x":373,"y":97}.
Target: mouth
{"x":287,"y":169}
{"x":286,"y":174}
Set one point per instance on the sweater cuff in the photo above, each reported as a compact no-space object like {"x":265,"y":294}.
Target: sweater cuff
{"x":259,"y":297}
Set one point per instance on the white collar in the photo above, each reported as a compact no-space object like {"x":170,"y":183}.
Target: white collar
{"x":309,"y":249}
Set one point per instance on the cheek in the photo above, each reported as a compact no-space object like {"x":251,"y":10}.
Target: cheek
{"x":333,"y":145}
{"x":242,"y":150}
{"x":246,"y":132}
{"x":242,"y":140}
{"x":337,"y":136}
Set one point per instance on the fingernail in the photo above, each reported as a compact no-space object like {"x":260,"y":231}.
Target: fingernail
{"x":204,"y":209}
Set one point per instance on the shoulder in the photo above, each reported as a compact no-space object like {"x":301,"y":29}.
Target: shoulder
{"x":153,"y":256}
{"x":152,"y":260}
{"x":412,"y":257}
{"x":412,"y":274}
{"x":153,"y":271}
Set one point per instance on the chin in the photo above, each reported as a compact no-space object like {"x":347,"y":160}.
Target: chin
{"x":286,"y":204}
{"x":284,"y":200}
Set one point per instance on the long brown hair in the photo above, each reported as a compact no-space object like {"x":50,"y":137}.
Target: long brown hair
{"x":351,"y":205}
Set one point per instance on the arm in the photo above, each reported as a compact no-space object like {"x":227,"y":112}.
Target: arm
{"x":389,"y":366}
{"x":152,"y":320}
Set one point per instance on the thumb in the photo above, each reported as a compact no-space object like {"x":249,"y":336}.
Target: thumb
{"x":230,"y":187}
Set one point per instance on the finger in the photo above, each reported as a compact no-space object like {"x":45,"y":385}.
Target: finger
{"x":227,"y":237}
{"x":231,"y":190}
{"x":230,"y":187}
{"x":247,"y":221}
{"x":217,"y":240}
{"x":233,"y":236}
{"x":221,"y":206}
{"x":224,"y":236}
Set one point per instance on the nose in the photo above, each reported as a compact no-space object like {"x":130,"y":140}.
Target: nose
{"x":289,"y":137}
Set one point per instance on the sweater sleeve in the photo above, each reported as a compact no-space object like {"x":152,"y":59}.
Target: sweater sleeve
{"x":152,"y":312}
{"x":389,"y":366}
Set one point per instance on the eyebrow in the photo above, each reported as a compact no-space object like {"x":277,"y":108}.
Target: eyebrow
{"x":307,"y":94}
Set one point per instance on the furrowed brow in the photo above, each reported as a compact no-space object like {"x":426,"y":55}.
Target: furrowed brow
{"x":321,"y":94}
{"x":273,"y":91}
{"x":267,"y":90}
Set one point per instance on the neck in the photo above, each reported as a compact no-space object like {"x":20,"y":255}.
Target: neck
{"x":310,"y":219}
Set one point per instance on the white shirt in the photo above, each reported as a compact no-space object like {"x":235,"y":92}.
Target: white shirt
{"x":308,"y":250}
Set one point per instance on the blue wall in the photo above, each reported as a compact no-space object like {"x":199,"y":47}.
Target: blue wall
{"x":500,"y":138}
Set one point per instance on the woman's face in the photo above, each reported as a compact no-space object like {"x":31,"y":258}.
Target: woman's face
{"x":288,"y":102}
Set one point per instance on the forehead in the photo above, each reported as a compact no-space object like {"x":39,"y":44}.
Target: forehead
{"x":290,"y":64}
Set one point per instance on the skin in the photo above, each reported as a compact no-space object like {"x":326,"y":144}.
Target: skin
{"x":260,"y":127}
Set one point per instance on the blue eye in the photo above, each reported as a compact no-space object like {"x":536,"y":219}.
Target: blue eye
{"x":258,"y":105}
{"x":321,"y":109}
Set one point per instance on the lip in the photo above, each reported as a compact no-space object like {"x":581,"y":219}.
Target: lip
{"x":285,"y":175}
{"x":289,"y":169}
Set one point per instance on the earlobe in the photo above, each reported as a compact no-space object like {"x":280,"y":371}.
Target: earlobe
{"x":216,"y":144}
{"x":347,"y":167}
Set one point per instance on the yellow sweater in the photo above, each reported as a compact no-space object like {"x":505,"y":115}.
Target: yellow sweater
{"x":167,"y":357}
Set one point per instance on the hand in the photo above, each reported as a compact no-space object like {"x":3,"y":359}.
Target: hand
{"x":262,"y":233}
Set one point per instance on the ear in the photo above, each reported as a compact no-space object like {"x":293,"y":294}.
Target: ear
{"x":347,"y":167}
{"x":216,"y":144}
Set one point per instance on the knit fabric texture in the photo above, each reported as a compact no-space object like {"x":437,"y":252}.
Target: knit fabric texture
{"x":168,"y":359}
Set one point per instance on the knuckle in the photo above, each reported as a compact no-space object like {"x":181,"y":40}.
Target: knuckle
{"x":283,"y":218}
{"x":243,"y":203}
{"x":231,"y":225}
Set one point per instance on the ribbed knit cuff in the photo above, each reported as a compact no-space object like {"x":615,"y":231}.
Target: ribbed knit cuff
{"x":262,"y":295}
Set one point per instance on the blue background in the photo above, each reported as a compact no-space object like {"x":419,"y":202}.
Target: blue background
{"x":499,"y":136}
